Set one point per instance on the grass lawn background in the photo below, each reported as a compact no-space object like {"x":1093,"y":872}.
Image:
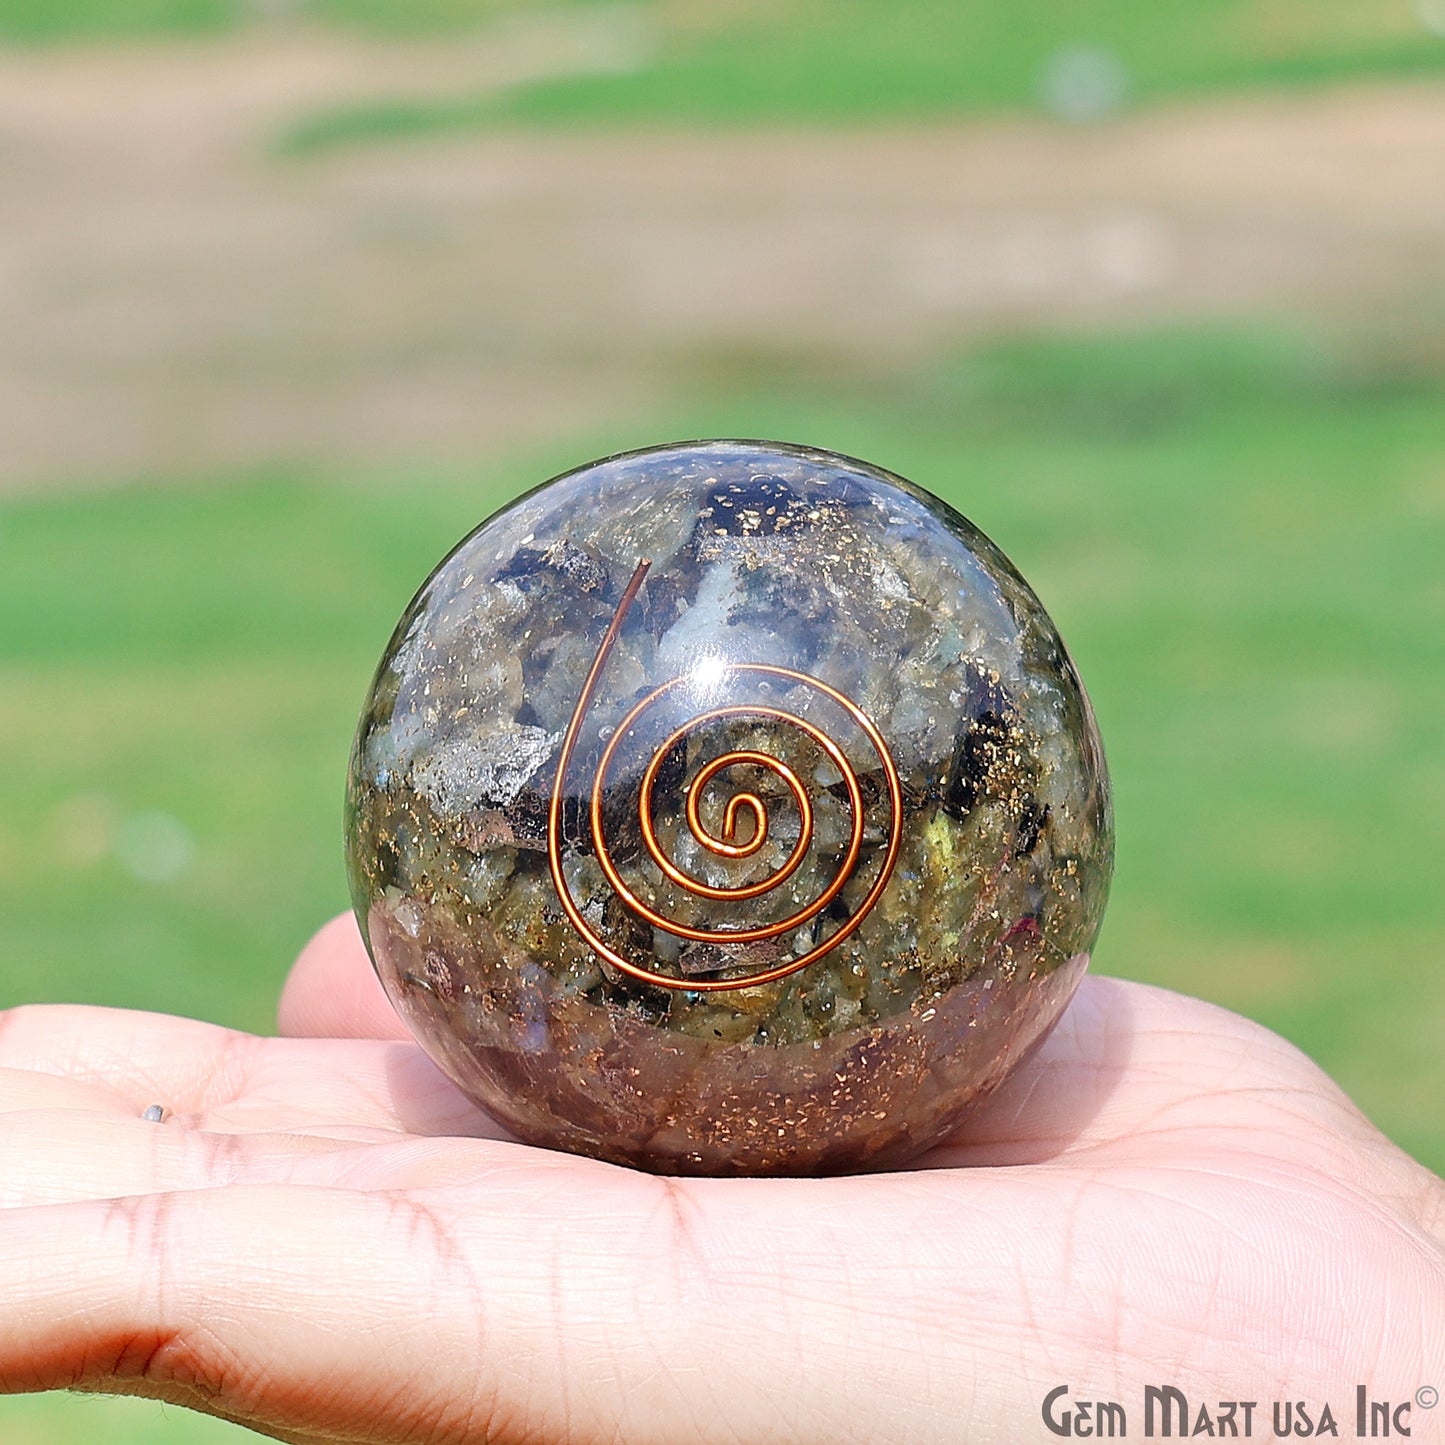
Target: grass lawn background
{"x":721,"y":62}
{"x":826,"y":62}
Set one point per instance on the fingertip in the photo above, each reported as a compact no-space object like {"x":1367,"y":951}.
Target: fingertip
{"x":333,"y":992}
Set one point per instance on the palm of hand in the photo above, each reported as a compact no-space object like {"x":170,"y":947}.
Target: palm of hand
{"x":1165,"y":1194}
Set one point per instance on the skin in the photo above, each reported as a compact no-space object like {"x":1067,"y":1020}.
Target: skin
{"x":325,"y":1241}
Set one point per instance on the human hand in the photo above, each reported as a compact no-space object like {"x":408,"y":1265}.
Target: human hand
{"x":326,"y":1242}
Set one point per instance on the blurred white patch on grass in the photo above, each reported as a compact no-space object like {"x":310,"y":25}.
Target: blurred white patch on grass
{"x":1432,"y":15}
{"x":275,"y":9}
{"x":1084,"y":83}
{"x":608,"y":39}
{"x":155,"y":847}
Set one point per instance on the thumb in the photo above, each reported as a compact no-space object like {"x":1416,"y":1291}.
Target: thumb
{"x":333,"y":991}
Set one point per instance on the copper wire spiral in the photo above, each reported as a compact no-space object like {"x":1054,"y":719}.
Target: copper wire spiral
{"x":726,"y":844}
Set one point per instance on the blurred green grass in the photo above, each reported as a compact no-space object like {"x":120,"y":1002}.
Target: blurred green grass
{"x":870,"y":61}
{"x":100,"y":1420}
{"x":816,"y":61}
{"x":1239,"y":531}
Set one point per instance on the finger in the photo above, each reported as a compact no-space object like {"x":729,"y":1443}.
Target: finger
{"x":28,"y":1089}
{"x":333,"y":992}
{"x":141,"y":1058}
{"x":209,"y":1077}
{"x":308,"y":1311}
{"x":539,"y":1300}
{"x":1430,"y":1208}
{"x":58,"y":1156}
{"x":1066,"y":1097}
{"x":1124,"y":1061}
{"x":1131,"y":1067}
{"x":55,"y":1156}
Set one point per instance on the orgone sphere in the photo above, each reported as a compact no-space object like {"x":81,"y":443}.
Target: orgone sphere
{"x":728,"y":807}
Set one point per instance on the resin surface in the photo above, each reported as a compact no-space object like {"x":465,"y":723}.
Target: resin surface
{"x":728,"y":808}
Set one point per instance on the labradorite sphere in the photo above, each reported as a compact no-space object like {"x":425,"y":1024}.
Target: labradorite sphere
{"x":728,"y":807}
